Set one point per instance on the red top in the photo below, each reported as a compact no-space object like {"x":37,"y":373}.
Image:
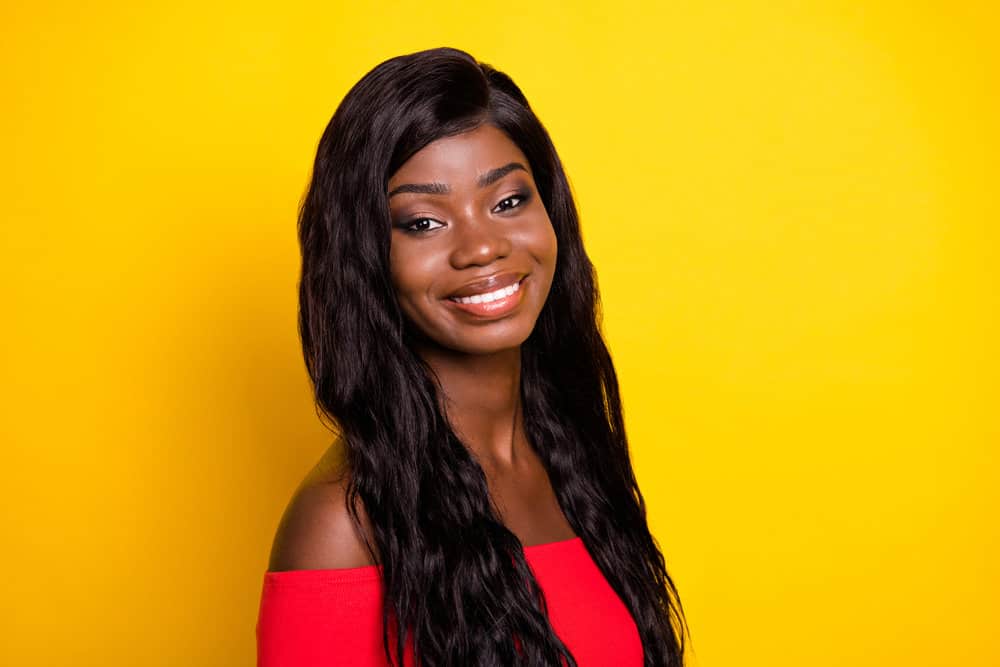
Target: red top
{"x":334,"y":617}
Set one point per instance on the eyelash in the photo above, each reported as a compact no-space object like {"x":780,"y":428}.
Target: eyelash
{"x":408,"y":226}
{"x":517,"y":195}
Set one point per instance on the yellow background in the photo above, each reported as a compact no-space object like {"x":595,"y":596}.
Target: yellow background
{"x":793,"y":212}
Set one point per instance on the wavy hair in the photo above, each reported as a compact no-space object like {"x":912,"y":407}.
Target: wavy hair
{"x":455,"y":578}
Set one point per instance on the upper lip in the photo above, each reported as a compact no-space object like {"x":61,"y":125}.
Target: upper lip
{"x":487,"y":284}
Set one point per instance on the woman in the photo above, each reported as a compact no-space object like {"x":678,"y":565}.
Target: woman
{"x":479,"y":507}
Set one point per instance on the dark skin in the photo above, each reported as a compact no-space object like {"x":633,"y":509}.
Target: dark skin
{"x":467,"y":219}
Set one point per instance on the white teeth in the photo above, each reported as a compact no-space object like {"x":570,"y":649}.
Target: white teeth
{"x":491,"y":296}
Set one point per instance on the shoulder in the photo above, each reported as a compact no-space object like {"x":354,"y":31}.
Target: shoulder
{"x":316,"y":530}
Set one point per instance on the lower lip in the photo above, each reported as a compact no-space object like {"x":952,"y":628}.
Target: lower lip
{"x":493,"y":309}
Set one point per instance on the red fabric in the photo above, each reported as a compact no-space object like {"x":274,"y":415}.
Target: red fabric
{"x":334,"y":617}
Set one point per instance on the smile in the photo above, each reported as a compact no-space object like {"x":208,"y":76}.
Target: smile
{"x":489,"y":296}
{"x":491,"y":304}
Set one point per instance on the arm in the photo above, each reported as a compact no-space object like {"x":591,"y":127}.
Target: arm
{"x":321,"y":601}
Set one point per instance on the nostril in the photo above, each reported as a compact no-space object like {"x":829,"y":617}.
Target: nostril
{"x":480,"y":252}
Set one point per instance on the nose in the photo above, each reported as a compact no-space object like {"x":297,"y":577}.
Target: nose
{"x":478,"y":242}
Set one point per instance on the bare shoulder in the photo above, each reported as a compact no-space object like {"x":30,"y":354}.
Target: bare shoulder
{"x":316,"y":531}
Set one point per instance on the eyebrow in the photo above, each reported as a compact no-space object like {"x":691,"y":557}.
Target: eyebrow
{"x":489,"y":178}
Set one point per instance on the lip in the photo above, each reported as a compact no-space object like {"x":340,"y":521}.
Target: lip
{"x":495,"y":309}
{"x":487,"y":284}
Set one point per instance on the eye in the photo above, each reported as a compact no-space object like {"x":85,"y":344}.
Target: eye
{"x":420,"y":225}
{"x":510,"y":202}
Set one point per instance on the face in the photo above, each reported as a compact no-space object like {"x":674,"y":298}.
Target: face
{"x":473,"y":251}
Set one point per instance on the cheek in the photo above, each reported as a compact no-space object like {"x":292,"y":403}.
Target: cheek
{"x":544,"y":245}
{"x":403,"y":281}
{"x":412,"y":274}
{"x":402,"y":269}
{"x":395,"y":262}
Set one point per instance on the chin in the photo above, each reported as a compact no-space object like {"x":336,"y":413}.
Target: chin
{"x":485,"y":344}
{"x":487,"y":339}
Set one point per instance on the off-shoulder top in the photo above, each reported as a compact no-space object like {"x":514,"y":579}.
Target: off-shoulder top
{"x":334,"y":617}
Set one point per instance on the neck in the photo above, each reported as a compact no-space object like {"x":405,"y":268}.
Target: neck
{"x":480,"y":395}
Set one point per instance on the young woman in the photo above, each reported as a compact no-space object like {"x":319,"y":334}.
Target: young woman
{"x":479,"y":506}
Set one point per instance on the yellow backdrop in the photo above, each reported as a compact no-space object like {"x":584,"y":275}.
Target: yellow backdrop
{"x":793,"y":212}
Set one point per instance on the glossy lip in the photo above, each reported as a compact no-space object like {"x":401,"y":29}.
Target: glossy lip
{"x":494,"y":309}
{"x":487,"y":284}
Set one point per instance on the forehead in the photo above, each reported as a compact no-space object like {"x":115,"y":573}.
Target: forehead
{"x":459,"y":159}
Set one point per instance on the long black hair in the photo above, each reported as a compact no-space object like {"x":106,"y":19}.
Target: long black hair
{"x":455,"y":578}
